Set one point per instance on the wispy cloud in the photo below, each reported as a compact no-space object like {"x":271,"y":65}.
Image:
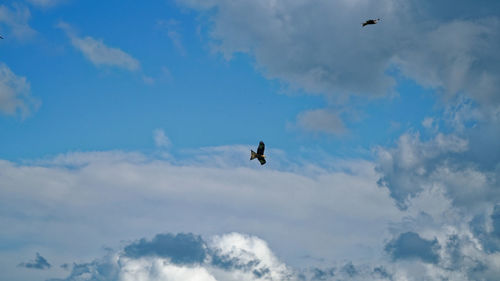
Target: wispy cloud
{"x":15,"y":96}
{"x":161,"y":140}
{"x":99,"y":53}
{"x":16,"y":19}
{"x":172,"y":29}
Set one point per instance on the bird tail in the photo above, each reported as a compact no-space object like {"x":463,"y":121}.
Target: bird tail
{"x":253,"y":155}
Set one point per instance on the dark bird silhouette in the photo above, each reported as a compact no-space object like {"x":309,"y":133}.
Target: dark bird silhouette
{"x":259,"y":154}
{"x":370,"y":22}
{"x":1,"y":37}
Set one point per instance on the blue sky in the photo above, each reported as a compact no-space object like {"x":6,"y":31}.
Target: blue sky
{"x":129,"y":124}
{"x":198,"y":97}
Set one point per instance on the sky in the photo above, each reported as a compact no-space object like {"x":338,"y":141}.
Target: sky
{"x":126,"y":131}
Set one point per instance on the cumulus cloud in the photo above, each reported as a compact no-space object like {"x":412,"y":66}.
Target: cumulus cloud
{"x":236,"y":256}
{"x":449,"y":162}
{"x":460,"y":57}
{"x":448,"y":228}
{"x":449,"y":190}
{"x":99,"y":53}
{"x":107,"y":197}
{"x":248,"y":258}
{"x":321,"y":47}
{"x":300,"y":43}
{"x":16,"y":20}
{"x":15,"y":96}
{"x":407,"y":167}
{"x":89,"y":198}
{"x":39,"y":263}
{"x":229,"y":257}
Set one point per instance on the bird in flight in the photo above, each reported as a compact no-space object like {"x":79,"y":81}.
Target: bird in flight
{"x":1,"y":37}
{"x":259,"y":154}
{"x":370,"y":22}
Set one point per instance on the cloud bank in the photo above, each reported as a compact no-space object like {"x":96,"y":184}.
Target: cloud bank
{"x":340,"y":224}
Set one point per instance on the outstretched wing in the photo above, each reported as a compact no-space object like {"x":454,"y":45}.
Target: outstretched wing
{"x":369,"y":22}
{"x":262,"y":160}
{"x":261,"y":148}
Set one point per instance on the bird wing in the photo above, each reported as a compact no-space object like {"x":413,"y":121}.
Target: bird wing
{"x":261,"y":148}
{"x":262,"y":160}
{"x":1,"y":37}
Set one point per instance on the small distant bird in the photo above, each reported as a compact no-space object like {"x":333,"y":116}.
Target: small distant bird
{"x":260,"y":153}
{"x":1,"y":37}
{"x":370,"y":22}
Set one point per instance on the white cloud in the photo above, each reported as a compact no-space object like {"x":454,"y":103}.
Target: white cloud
{"x":161,"y":140}
{"x":444,"y":161}
{"x":156,"y":269}
{"x":172,"y":29}
{"x":239,"y":257}
{"x":245,"y":258}
{"x":249,"y":253}
{"x":315,"y":46}
{"x":334,"y":215}
{"x":428,"y":122}
{"x":413,"y":161}
{"x":16,"y":20}
{"x":100,"y":54}
{"x":459,"y":57}
{"x":15,"y":96}
{"x":320,"y":46}
{"x":107,"y":197}
{"x":308,"y":45}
